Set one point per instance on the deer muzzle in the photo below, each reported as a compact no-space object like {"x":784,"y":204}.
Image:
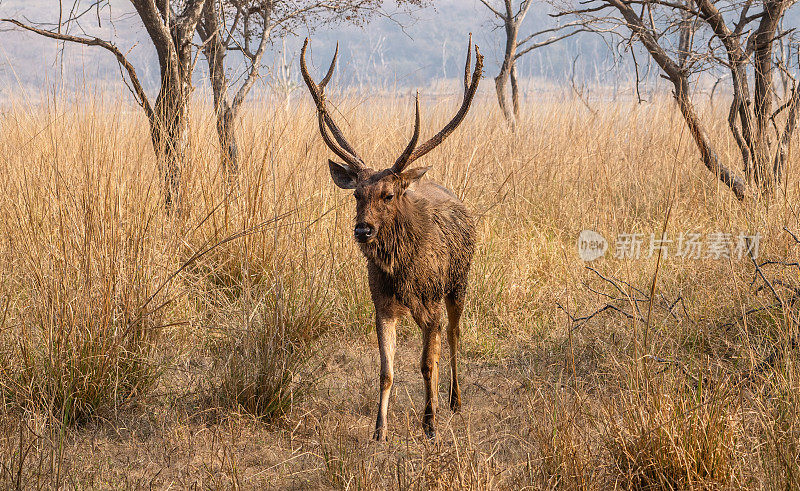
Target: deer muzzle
{"x":363,"y":232}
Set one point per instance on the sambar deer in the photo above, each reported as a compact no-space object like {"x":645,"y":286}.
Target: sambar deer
{"x":418,"y":239}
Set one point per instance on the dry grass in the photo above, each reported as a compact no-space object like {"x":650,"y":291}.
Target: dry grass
{"x":256,"y":365}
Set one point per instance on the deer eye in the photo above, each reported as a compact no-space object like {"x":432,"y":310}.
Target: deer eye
{"x":388,"y":197}
{"x":357,"y":195}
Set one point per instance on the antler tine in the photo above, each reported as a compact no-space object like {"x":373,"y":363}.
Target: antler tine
{"x":400,"y":163}
{"x":312,"y":87}
{"x":470,"y":88}
{"x":466,"y":66}
{"x":344,"y":150}
{"x":337,"y":133}
{"x":328,"y":75}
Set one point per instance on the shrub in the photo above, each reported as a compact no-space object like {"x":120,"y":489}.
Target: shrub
{"x":679,"y":441}
{"x":78,"y":280}
{"x":265,"y":346}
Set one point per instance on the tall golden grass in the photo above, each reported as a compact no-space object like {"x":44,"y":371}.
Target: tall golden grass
{"x":233,"y":346}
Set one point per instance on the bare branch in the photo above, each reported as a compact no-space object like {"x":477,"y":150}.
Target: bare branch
{"x":255,"y":63}
{"x":548,"y":42}
{"x":552,"y":29}
{"x":494,"y":11}
{"x":588,"y":10}
{"x":678,"y":77}
{"x":524,"y":7}
{"x":138,"y":91}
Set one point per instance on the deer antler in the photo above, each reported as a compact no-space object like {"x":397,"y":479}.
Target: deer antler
{"x":470,"y":88}
{"x":344,"y":150}
{"x":402,"y":160}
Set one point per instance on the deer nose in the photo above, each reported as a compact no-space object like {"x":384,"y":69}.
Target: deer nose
{"x":363,"y":232}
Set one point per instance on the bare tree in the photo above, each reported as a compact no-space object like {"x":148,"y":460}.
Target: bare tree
{"x":283,"y":81}
{"x":216,"y":32}
{"x":734,"y":37}
{"x":171,"y":26}
{"x":246,"y":28}
{"x":510,"y":17}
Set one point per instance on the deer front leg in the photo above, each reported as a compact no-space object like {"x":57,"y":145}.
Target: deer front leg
{"x":429,"y":366}
{"x":385,"y":326}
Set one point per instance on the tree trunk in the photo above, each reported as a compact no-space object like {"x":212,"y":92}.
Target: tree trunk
{"x":515,"y":91}
{"x":686,"y":29}
{"x":501,"y":80}
{"x":171,"y":35}
{"x":169,"y":134}
{"x":225,"y":115}
{"x":786,"y":138}
{"x":215,"y":50}
{"x":226,"y":120}
{"x":707,"y":154}
{"x":764,"y":40}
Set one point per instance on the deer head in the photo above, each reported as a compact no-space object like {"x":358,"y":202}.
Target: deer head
{"x":381,"y":193}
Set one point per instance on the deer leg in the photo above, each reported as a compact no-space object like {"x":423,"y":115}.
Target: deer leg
{"x":385,"y":326}
{"x":429,"y":366}
{"x":455,"y":305}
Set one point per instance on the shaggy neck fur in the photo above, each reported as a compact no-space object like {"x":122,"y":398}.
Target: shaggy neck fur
{"x":397,"y":242}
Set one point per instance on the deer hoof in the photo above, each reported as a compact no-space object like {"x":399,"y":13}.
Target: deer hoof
{"x":380,"y":435}
{"x":455,"y":400}
{"x":455,"y":404}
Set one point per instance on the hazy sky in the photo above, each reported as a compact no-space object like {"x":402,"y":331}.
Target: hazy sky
{"x":429,"y":45}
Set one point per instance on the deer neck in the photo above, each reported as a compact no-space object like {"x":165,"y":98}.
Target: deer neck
{"x":398,"y":242}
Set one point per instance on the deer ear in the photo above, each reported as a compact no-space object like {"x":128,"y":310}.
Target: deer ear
{"x":342,"y":176}
{"x":411,"y":176}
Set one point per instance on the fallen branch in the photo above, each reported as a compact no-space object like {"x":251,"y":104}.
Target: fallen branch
{"x":633,"y":297}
